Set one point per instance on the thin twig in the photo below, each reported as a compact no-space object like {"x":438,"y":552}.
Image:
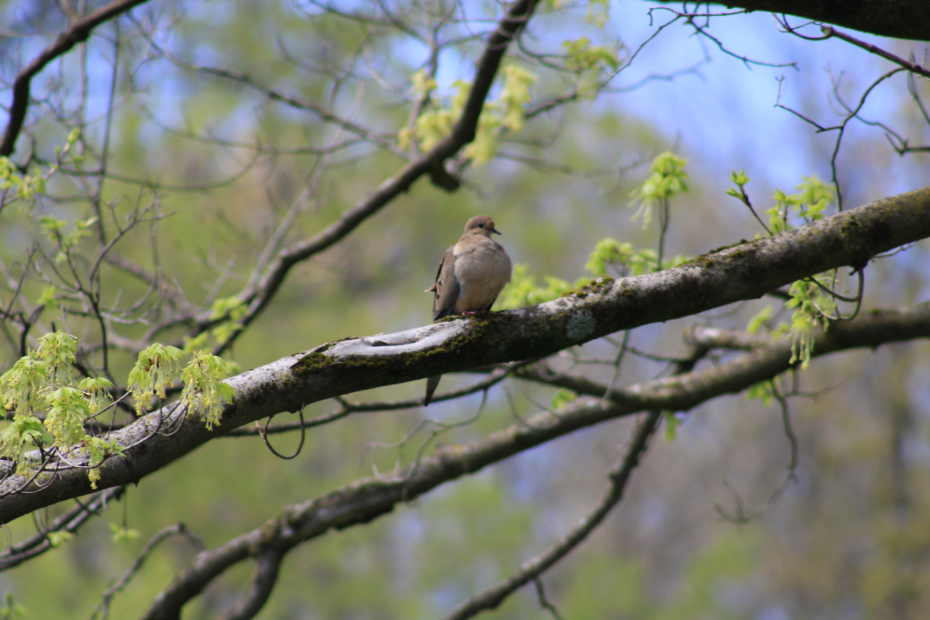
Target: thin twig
{"x":830,"y":31}
{"x":77,"y":32}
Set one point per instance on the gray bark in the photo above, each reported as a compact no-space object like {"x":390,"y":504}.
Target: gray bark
{"x":743,"y":271}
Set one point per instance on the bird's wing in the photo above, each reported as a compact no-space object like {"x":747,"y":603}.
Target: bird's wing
{"x":446,"y":287}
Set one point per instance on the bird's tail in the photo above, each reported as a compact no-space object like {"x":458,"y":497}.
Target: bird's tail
{"x":431,"y":384}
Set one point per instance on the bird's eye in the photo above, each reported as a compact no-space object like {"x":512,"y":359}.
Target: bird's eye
{"x":480,"y":225}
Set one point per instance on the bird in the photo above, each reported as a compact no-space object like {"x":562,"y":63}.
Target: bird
{"x":471,"y":275}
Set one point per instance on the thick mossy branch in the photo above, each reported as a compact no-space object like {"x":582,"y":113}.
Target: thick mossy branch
{"x":367,"y":499}
{"x":744,"y":271}
{"x":900,"y":19}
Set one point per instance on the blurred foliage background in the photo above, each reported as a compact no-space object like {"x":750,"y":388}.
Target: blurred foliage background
{"x":847,"y":539}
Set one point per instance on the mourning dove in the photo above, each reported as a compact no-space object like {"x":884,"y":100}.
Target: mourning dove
{"x":470,"y":277}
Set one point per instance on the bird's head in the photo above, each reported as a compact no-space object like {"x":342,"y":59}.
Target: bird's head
{"x":481,"y":225}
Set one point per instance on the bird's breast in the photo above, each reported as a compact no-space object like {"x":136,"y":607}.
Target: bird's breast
{"x":482,"y":270}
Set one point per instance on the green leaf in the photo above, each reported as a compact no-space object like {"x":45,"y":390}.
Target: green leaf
{"x":764,"y":391}
{"x":667,"y":179}
{"x":156,"y":369}
{"x":123,"y":535}
{"x":562,"y":398}
{"x":606,"y":253}
{"x":57,"y":539}
{"x":581,"y":56}
{"x":204,"y":389}
{"x":672,"y":423}
{"x":739,"y":178}
{"x":761,"y":318}
{"x":598,"y":12}
{"x":52,"y":227}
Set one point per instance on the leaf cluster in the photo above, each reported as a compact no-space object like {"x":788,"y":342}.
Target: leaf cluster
{"x":501,"y":114}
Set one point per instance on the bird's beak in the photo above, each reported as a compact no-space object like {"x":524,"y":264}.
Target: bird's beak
{"x":495,"y":231}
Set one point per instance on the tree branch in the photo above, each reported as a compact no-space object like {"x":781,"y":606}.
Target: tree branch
{"x":70,"y":522}
{"x":263,"y":579}
{"x":913,"y":67}
{"x":619,"y":474}
{"x":901,"y":19}
{"x":79,"y":31}
{"x":367,"y":499}
{"x":430,"y":163}
{"x":744,"y":271}
{"x":103,"y":608}
{"x":618,"y":477}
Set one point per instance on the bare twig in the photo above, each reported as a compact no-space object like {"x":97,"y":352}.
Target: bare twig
{"x":77,"y":32}
{"x":263,"y":432}
{"x":180,"y":529}
{"x":741,"y":514}
{"x":830,"y":31}
{"x":618,"y":476}
{"x":69,"y":522}
{"x":364,"y":500}
{"x":431,"y":162}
